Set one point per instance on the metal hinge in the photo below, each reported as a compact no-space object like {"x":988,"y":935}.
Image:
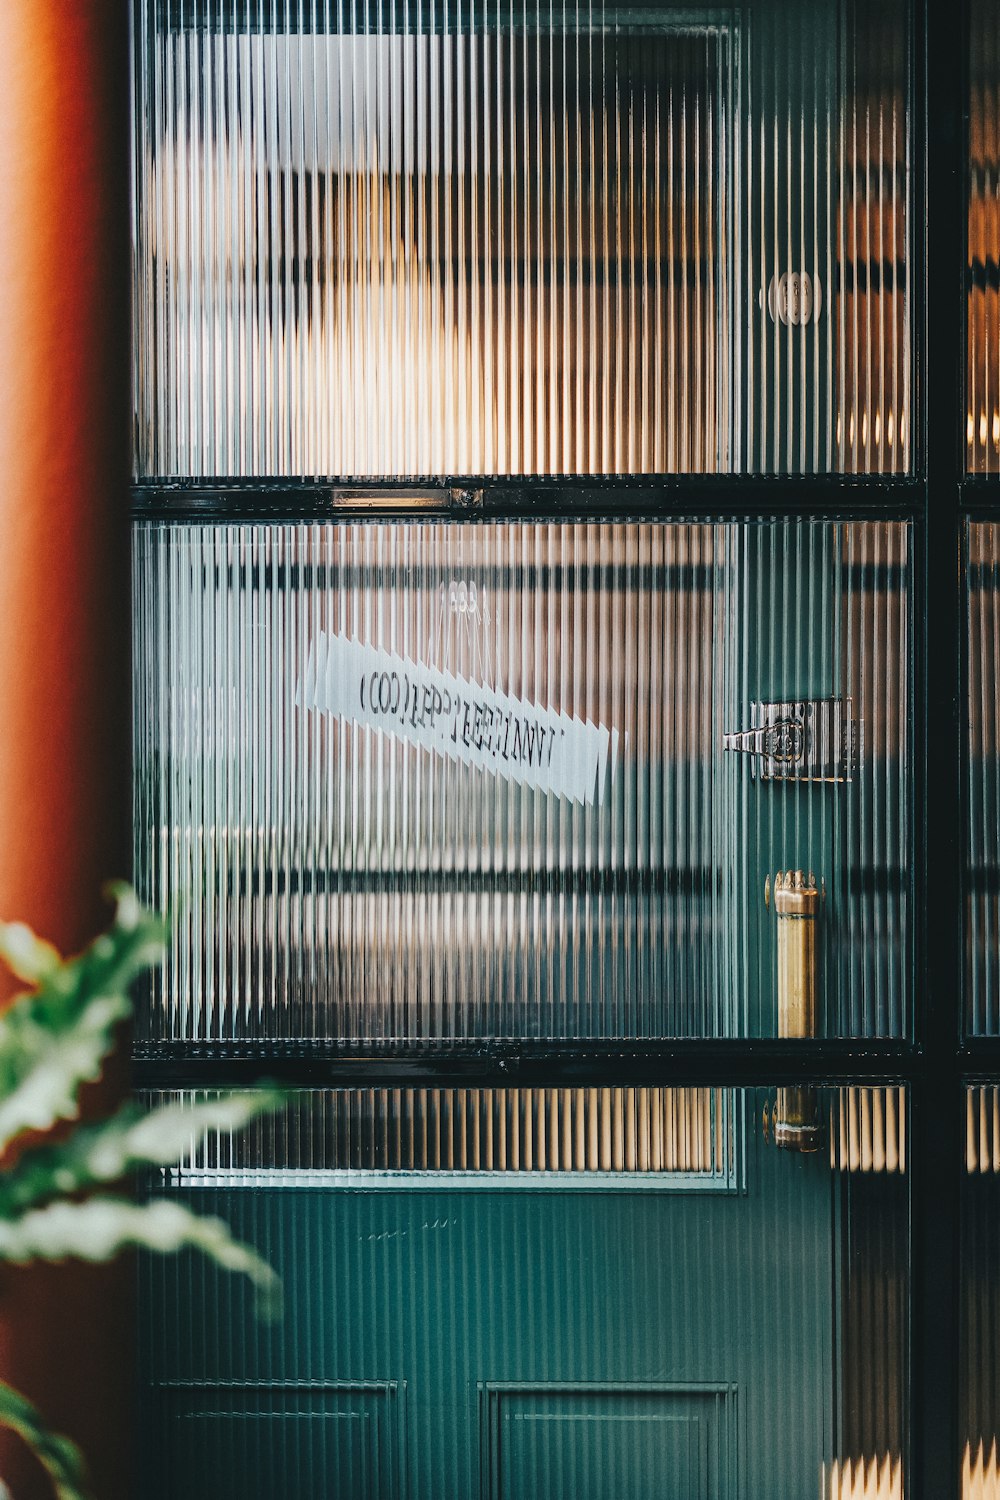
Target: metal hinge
{"x":811,"y":739}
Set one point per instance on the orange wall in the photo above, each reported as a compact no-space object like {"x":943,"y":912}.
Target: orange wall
{"x":64,"y":618}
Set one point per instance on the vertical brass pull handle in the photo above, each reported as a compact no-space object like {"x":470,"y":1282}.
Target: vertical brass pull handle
{"x":796,"y":906}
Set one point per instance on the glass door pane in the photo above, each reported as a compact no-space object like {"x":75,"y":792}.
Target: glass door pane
{"x":982,"y":414}
{"x":980,"y":1296}
{"x":982,"y":895}
{"x":448,"y":239}
{"x":424,"y":782}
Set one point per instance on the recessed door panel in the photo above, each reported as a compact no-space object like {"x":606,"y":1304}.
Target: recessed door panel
{"x":232,"y":1440}
{"x":641,"y":1443}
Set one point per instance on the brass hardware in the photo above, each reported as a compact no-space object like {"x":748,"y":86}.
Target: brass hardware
{"x":796,"y":1120}
{"x":389,"y":500}
{"x":805,"y":739}
{"x":796,"y":905}
{"x":404,"y":498}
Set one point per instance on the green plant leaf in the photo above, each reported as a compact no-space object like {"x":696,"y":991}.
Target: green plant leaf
{"x":99,"y":1228}
{"x":27,"y":956}
{"x":56,"y":1038}
{"x":61,"y":1458}
{"x":106,"y":1151}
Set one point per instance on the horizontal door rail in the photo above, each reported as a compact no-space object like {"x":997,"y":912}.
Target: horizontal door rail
{"x":485,"y":1064}
{"x":657,"y":497}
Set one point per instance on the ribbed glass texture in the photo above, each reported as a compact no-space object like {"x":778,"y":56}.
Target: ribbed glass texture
{"x":570,"y":1130}
{"x":982,"y":899}
{"x":448,"y":238}
{"x":563,"y":1336}
{"x":425,"y":781}
{"x":480,"y":1133}
{"x":980,"y":1297}
{"x":982,"y":412}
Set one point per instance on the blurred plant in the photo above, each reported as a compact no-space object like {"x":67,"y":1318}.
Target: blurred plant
{"x":53,"y":1039}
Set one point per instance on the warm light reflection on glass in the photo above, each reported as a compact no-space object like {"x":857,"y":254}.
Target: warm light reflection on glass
{"x":458,"y":241}
{"x":981,"y":1472}
{"x":979,"y":1302}
{"x":982,"y":1130}
{"x":983,"y":299}
{"x":695,"y":1132}
{"x":868,"y":1130}
{"x":865,"y":1479}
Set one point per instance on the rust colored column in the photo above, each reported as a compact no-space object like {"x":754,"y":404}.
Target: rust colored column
{"x":64,"y":618}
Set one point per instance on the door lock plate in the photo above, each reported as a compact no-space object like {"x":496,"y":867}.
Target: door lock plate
{"x":809,"y":739}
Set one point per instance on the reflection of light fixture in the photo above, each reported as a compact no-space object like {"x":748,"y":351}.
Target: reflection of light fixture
{"x":982,"y":1129}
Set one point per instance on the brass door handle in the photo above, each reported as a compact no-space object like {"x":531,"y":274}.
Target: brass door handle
{"x":796,"y":906}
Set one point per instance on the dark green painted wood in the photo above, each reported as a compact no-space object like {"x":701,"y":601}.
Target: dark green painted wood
{"x":543,"y":1342}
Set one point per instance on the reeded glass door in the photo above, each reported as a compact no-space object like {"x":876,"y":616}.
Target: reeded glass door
{"x":506,"y":786}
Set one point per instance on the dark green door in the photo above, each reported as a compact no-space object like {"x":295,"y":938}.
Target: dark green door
{"x":586,"y":1339}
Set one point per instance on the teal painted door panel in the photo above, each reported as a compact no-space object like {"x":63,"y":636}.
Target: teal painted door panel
{"x":279,"y":1439}
{"x":605,"y":1443}
{"x":544,"y":1343}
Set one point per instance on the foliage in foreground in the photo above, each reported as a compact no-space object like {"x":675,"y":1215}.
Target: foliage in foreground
{"x":63,"y":1198}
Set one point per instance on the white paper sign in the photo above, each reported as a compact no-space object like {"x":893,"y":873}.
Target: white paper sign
{"x":462,"y":720}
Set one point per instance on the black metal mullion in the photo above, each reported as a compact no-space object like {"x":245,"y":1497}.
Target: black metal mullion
{"x":980,"y":496}
{"x":936,"y":1117}
{"x":674,"y":497}
{"x":979,"y":1061}
{"x":728,"y":1063}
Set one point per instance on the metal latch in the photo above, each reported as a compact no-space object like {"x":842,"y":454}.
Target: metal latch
{"x":810,"y":739}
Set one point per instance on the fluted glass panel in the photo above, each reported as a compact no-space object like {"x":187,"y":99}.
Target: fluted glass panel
{"x":982,"y":833}
{"x":426,"y":781}
{"x":826,"y":216}
{"x":982,"y":413}
{"x":450,"y":238}
{"x":519,"y":1334}
{"x":979,"y":1370}
{"x":477,"y":1133}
